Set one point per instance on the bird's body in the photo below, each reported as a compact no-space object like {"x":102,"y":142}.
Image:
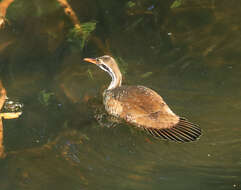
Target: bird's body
{"x":143,"y":107}
{"x":140,"y":106}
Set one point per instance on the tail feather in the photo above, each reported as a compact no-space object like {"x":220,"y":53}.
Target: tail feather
{"x":192,"y":125}
{"x":186,"y":134}
{"x":169,"y":136}
{"x":161,"y":135}
{"x":181,"y":135}
{"x":183,"y":131}
{"x":190,"y":131}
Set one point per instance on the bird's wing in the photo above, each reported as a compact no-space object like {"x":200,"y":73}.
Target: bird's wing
{"x":144,"y":108}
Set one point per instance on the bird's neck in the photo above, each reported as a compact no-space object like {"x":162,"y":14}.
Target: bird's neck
{"x":116,"y":79}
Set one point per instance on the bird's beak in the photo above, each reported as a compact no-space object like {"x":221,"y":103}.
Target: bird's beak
{"x":91,"y":60}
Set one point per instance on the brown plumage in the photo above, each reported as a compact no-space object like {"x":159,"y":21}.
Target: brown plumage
{"x":143,"y":107}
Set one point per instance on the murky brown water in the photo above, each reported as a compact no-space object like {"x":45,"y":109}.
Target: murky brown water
{"x":190,"y":55}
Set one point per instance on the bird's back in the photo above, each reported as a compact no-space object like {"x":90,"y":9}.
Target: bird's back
{"x":141,"y":106}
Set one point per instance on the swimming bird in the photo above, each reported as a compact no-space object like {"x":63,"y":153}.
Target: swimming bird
{"x":142,"y":106}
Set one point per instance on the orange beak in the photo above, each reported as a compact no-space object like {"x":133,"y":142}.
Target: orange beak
{"x":91,"y":60}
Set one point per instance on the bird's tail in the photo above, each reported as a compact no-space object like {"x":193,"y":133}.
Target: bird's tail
{"x":183,"y":131}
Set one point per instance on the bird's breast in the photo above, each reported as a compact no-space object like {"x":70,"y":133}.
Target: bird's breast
{"x":112,"y":105}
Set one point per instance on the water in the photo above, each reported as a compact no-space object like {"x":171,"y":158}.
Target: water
{"x":192,"y":60}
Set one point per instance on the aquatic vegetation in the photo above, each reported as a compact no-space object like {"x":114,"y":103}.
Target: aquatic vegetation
{"x":90,"y":75}
{"x":176,"y":4}
{"x":147,"y":74}
{"x":131,"y":4}
{"x":80,"y":33}
{"x":135,"y":24}
{"x":44,"y":97}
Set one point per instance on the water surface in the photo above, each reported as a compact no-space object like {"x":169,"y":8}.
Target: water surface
{"x":189,"y":54}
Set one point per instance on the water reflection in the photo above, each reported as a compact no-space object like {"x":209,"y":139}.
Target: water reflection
{"x":192,"y":56}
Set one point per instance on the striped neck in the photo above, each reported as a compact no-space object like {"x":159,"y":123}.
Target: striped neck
{"x":115,"y":80}
{"x":114,"y":72}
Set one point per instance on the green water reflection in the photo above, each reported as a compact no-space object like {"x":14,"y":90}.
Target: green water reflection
{"x":190,"y":54}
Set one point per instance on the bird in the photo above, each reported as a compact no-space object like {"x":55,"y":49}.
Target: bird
{"x":142,"y":107}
